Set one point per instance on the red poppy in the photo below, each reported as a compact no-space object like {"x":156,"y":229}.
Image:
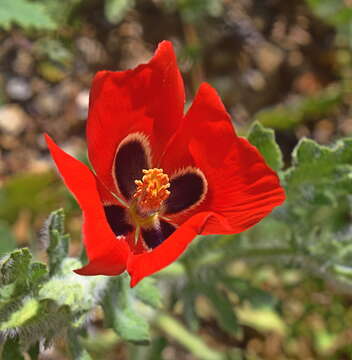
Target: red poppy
{"x":161,"y":177}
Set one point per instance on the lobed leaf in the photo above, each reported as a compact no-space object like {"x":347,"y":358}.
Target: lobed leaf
{"x":15,"y":266}
{"x":264,"y":140}
{"x":317,"y":169}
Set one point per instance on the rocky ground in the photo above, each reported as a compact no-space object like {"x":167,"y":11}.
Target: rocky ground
{"x":256,"y":53}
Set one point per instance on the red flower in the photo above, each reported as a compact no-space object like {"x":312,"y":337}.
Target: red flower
{"x":161,"y":178}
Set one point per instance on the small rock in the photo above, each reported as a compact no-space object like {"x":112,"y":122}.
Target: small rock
{"x":19,"y":89}
{"x":82,"y":101}
{"x":269,"y":57}
{"x":12,"y":119}
{"x":92,"y":51}
{"x":48,"y":104}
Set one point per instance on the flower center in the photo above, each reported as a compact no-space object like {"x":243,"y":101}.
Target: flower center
{"x":151,"y":191}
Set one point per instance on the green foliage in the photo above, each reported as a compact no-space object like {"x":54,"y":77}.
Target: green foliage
{"x":59,"y":241}
{"x":121,"y":305}
{"x":39,"y":302}
{"x":115,"y":10}
{"x":335,"y":12}
{"x":264,"y":140}
{"x":195,"y":10}
{"x":297,"y":110}
{"x":311,"y":230}
{"x":29,"y":191}
{"x":27,"y":14}
{"x":187,"y":339}
{"x":11,"y":350}
{"x":77,"y":350}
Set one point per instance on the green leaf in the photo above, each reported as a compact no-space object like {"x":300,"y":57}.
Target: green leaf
{"x":79,"y":293}
{"x":26,"y":14}
{"x":290,"y":114}
{"x":264,"y":140}
{"x":11,"y":350}
{"x":246,"y":292}
{"x":20,"y":317}
{"x":120,"y":314}
{"x":191,"y":342}
{"x":15,"y":266}
{"x":36,"y":306}
{"x":189,"y":295}
{"x":37,"y":273}
{"x":37,"y":319}
{"x":58,"y":241}
{"x":147,"y":292}
{"x":335,"y":12}
{"x":20,"y":278}
{"x":224,"y":309}
{"x":320,"y":166}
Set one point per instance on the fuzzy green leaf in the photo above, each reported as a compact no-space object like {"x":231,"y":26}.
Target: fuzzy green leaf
{"x":264,"y":140}
{"x":147,"y":292}
{"x":37,"y":272}
{"x":20,"y":317}
{"x":37,"y":319}
{"x":79,"y":293}
{"x":320,"y":167}
{"x":15,"y":266}
{"x":58,"y":241}
{"x":120,"y":313}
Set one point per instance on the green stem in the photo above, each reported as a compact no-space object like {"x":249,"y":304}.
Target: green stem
{"x":246,"y":254}
{"x":190,"y":341}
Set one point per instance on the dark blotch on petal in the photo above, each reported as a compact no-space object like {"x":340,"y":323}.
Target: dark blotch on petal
{"x":155,"y":236}
{"x":130,"y":160}
{"x":185,"y":190}
{"x":116,"y":217}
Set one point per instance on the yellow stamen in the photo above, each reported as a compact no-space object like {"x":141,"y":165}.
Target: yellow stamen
{"x":152,"y":190}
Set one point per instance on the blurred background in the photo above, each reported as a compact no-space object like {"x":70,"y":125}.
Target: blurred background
{"x":284,"y":63}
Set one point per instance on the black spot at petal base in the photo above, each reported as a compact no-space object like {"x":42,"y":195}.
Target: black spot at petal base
{"x":186,"y":190}
{"x":116,"y":217}
{"x":131,"y":158}
{"x":156,"y":235}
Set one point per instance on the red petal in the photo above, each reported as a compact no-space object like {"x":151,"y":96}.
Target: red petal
{"x":107,"y":255}
{"x":148,"y":99}
{"x":142,"y":265}
{"x":241,"y":187}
